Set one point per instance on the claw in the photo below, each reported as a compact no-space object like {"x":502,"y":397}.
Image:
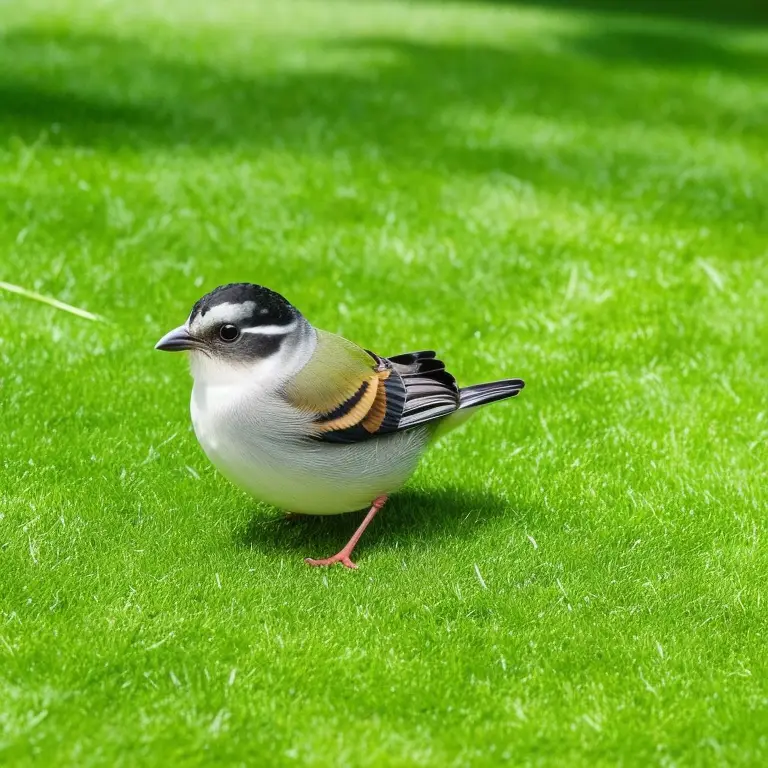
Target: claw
{"x":343,"y":559}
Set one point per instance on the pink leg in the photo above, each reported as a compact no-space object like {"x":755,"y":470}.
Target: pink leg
{"x":344,"y":555}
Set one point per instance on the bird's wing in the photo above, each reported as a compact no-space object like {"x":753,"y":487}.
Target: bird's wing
{"x":353,"y":394}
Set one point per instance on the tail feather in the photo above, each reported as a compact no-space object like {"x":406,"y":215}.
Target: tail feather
{"x":476,"y":395}
{"x":481,"y":394}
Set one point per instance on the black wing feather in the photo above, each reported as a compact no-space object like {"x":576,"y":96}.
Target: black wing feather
{"x":430,"y":391}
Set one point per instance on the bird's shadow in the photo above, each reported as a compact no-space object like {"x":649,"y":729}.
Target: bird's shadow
{"x":409,"y":517}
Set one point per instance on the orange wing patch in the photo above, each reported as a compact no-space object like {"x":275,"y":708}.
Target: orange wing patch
{"x":357,"y":413}
{"x":368,"y":411}
{"x":378,"y":409}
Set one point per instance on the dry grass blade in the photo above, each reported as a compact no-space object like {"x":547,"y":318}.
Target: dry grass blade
{"x":11,"y":288}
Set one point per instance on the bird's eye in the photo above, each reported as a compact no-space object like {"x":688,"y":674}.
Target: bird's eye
{"x":228,"y":332}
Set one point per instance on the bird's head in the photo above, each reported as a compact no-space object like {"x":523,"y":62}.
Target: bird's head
{"x":235,"y":327}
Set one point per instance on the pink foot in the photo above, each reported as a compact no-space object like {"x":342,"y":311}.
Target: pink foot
{"x":339,"y":558}
{"x":343,"y":556}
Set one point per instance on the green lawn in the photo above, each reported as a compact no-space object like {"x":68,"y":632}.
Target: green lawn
{"x":576,"y":197}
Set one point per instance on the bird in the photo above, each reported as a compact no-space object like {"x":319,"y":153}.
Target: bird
{"x":304,"y":419}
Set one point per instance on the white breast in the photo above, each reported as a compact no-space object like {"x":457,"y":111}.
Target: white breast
{"x":255,"y":439}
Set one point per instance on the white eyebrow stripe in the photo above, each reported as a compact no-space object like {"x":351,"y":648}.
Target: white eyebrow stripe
{"x":223,"y":313}
{"x":271,"y":330}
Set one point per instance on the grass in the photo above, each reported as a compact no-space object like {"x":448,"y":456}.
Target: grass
{"x":570,"y":195}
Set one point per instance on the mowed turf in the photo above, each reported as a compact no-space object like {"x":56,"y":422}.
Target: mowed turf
{"x":574,"y":197}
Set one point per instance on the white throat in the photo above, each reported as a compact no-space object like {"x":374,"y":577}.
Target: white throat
{"x":238,"y":408}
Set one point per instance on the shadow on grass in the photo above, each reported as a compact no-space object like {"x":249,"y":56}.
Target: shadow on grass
{"x":410,"y":517}
{"x":724,"y":11}
{"x":669,"y":49}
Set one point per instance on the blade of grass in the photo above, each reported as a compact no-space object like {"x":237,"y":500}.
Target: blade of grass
{"x":11,"y":288}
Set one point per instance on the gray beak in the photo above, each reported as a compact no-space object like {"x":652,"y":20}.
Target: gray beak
{"x":176,"y":340}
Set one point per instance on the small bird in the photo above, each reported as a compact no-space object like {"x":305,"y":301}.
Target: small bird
{"x":304,"y":419}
